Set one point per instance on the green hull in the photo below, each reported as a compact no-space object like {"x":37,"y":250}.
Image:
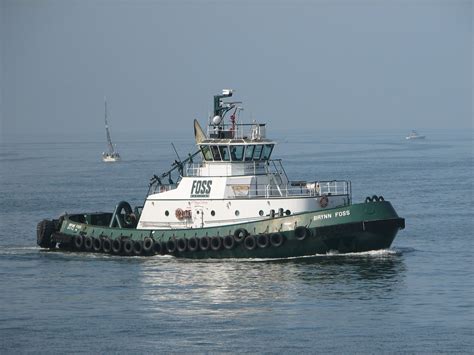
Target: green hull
{"x":355,"y":228}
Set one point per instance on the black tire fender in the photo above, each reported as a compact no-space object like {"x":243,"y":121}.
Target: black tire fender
{"x":277,"y":239}
{"x":128,"y":247}
{"x":229,"y":242}
{"x":137,"y":247}
{"x":193,"y":244}
{"x":240,"y":234}
{"x":301,"y":232}
{"x":216,"y":243}
{"x":204,"y":243}
{"x":263,"y":241}
{"x":249,"y":242}
{"x":148,"y":244}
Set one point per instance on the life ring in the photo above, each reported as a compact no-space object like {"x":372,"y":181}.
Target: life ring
{"x":182,"y":244}
{"x":263,"y":241}
{"x":204,"y":243}
{"x":137,"y":247}
{"x":229,"y":242}
{"x":128,"y":247}
{"x":148,"y":245}
{"x":301,"y":232}
{"x":240,"y":234}
{"x":216,"y":243}
{"x":78,"y":242}
{"x":193,"y":244}
{"x":276,"y":239}
{"x":249,"y":242}
{"x":323,"y":201}
{"x":179,"y":213}
{"x":317,"y":188}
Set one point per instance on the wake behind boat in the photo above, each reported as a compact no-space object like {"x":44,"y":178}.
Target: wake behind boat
{"x":111,"y":155}
{"x":230,"y":199}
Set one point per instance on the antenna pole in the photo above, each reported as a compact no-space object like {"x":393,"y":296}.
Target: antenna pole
{"x":179,"y":159}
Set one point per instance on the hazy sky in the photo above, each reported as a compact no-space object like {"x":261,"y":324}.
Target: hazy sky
{"x":311,"y":64}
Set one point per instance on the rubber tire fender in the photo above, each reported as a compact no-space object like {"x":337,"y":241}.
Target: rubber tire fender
{"x":97,"y":245}
{"x":88,"y":243}
{"x":182,"y":245}
{"x":301,"y":233}
{"x":116,"y":246}
{"x":375,"y":198}
{"x":107,"y":245}
{"x":229,"y":242}
{"x":250,"y":243}
{"x":240,"y":234}
{"x":158,"y":248}
{"x":368,"y":199}
{"x":44,"y":230}
{"x":78,"y":242}
{"x":171,"y":245}
{"x":137,"y":247}
{"x":262,"y":240}
{"x":277,"y":239}
{"x":204,"y":243}
{"x":193,"y":244}
{"x":128,"y":247}
{"x":216,"y":243}
{"x":148,"y":244}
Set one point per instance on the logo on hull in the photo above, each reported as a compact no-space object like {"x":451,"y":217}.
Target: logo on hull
{"x":201,"y":188}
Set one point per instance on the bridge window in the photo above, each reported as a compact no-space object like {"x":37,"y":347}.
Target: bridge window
{"x":257,"y":152}
{"x":224,"y":152}
{"x":267,"y":151}
{"x":206,"y":152}
{"x":249,"y":152}
{"x":215,"y":153}
{"x":237,"y":152}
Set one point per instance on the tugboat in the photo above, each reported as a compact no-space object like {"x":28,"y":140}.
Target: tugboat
{"x":230,"y":199}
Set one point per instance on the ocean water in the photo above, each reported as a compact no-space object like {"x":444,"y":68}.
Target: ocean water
{"x":415,"y":297}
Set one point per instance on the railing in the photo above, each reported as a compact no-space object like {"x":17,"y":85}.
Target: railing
{"x":272,"y":166}
{"x":292,"y":189}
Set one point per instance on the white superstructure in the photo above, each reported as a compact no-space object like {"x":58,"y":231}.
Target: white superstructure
{"x":235,"y":181}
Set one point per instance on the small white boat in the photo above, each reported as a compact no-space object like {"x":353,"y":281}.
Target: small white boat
{"x":111,"y":155}
{"x":414,"y":135}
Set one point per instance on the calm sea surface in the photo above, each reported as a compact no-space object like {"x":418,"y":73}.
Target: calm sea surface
{"x":416,"y":297}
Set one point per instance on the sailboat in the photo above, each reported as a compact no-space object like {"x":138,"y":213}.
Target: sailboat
{"x":111,"y":155}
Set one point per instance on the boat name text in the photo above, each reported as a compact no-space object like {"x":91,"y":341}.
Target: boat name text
{"x":201,"y":188}
{"x":330,"y":215}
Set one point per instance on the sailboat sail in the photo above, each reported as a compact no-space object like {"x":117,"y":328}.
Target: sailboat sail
{"x":111,"y":155}
{"x":107,"y":131}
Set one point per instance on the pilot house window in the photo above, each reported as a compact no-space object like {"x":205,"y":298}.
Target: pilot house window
{"x":237,"y":152}
{"x":224,"y":152}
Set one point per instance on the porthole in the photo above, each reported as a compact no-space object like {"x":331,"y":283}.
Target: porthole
{"x":260,"y":213}
{"x":237,"y":212}
{"x":287,"y":212}
{"x":167,"y":213}
{"x":213,"y":213}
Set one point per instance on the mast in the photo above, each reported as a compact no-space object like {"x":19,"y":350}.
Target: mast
{"x":109,"y":140}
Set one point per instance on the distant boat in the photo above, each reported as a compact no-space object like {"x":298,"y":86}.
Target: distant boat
{"x":111,"y":155}
{"x":414,"y":135}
